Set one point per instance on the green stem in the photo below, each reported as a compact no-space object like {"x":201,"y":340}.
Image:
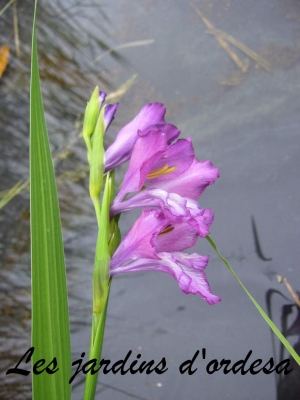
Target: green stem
{"x":97,"y":335}
{"x":271,"y":324}
{"x":101,"y":284}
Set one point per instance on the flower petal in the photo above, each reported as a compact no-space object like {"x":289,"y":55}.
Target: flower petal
{"x":174,"y":161}
{"x":152,"y":198}
{"x":192,"y":182}
{"x":146,"y":150}
{"x":121,"y":148}
{"x":187,"y":269}
{"x":176,"y":237}
{"x":109,"y":114}
{"x":175,"y":208}
{"x":171,"y":131}
{"x":140,"y":240}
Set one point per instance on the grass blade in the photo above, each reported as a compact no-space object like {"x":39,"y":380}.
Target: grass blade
{"x":50,"y":317}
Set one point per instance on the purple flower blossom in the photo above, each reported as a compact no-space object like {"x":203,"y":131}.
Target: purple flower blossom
{"x":167,"y":173}
{"x":164,"y":175}
{"x":151,"y":117}
{"x":191,"y":183}
{"x":173,"y":205}
{"x":156,"y":164}
{"x":155,"y":243}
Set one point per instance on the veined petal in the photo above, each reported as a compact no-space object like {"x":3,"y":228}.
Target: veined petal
{"x":189,"y":212}
{"x":187,"y":269}
{"x":203,"y":217}
{"x":140,"y":240}
{"x":121,"y":148}
{"x":146,"y":150}
{"x":175,"y":208}
{"x":171,"y":131}
{"x":192,"y":182}
{"x":174,"y":161}
{"x":176,"y":237}
{"x":152,"y":198}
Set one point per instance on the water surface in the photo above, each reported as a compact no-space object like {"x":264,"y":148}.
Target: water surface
{"x":247,"y":124}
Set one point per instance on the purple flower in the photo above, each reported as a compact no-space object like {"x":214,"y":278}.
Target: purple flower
{"x":173,"y":205}
{"x":109,"y":110}
{"x":164,"y":175}
{"x":155,"y":243}
{"x":190,"y":183}
{"x":151,"y":117}
{"x":156,"y":164}
{"x":171,"y":179}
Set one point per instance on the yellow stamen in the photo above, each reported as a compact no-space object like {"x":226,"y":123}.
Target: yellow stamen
{"x":169,"y":228}
{"x":161,"y":171}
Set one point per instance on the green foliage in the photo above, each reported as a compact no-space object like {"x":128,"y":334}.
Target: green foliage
{"x":50,"y":316}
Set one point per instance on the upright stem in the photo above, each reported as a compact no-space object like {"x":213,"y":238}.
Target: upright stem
{"x":97,"y":335}
{"x":97,"y":206}
{"x":101,"y":284}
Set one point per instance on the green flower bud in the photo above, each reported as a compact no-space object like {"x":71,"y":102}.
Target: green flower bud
{"x":97,"y":158}
{"x":90,"y":119}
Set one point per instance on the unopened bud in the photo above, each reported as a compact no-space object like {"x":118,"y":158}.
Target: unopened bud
{"x":90,"y":119}
{"x":97,"y":158}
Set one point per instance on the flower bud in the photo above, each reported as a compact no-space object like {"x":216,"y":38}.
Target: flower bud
{"x":97,"y":157}
{"x":90,"y":119}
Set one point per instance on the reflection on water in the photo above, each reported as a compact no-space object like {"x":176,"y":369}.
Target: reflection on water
{"x":15,"y":300}
{"x":288,"y":386}
{"x":246,"y":123}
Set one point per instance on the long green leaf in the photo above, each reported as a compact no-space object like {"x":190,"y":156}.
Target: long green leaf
{"x":50,"y":317}
{"x":271,"y":324}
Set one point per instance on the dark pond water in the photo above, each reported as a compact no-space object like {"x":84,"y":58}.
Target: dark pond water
{"x":246,"y":123}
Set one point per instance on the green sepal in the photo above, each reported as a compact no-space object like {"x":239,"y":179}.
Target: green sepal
{"x":97,"y":157}
{"x":115,"y":234}
{"x":115,"y":237}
